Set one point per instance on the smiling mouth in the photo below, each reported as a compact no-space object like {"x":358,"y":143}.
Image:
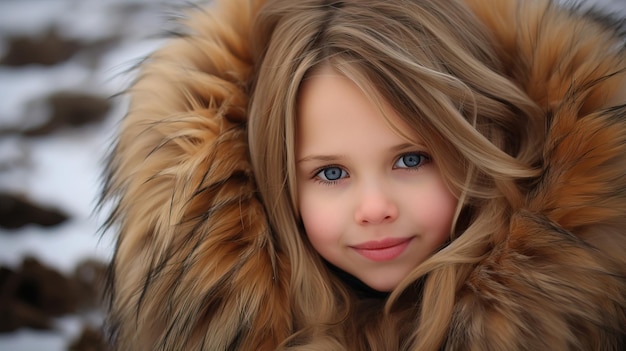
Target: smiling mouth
{"x":384,"y":250}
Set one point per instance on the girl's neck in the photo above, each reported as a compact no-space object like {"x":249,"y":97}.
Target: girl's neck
{"x":361,"y":289}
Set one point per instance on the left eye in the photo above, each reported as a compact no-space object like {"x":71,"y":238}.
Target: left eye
{"x":411,"y":160}
{"x":331,"y":174}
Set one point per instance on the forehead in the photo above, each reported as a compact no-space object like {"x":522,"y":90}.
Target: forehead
{"x":327,"y":97}
{"x":333,"y":111}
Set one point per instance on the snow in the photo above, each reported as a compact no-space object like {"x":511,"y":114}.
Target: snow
{"x":64,"y":169}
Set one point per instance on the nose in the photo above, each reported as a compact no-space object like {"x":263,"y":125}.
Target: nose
{"x":375,"y":206}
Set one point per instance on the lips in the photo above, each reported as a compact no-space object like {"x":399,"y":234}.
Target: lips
{"x":383,"y":250}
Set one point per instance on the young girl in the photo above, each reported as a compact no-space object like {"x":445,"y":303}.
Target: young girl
{"x":374,"y":175}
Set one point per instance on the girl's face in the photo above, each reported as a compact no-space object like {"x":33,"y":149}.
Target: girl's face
{"x":371,"y":203}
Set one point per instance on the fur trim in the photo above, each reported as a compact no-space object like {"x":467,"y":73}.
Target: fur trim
{"x":559,"y":281}
{"x":196,"y":268}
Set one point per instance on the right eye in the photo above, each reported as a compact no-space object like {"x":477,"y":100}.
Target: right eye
{"x":331,"y":174}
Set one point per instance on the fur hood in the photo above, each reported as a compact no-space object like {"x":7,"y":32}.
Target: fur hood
{"x":196,"y":268}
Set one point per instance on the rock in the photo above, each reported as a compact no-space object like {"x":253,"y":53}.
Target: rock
{"x":16,"y":212}
{"x":16,"y":313}
{"x":34,"y":294}
{"x":48,"y":50}
{"x":71,"y":109}
{"x":90,"y":276}
{"x":46,"y":289}
{"x":90,"y":340}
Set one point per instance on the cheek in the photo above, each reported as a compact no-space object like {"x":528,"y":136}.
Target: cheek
{"x":321,"y":221}
{"x":444,"y":218}
{"x":437,"y":212}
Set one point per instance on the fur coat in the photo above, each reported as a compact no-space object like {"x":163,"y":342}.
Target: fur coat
{"x":195,"y":267}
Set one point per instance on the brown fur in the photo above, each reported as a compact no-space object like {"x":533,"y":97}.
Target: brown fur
{"x":196,"y":266}
{"x":558,"y":282}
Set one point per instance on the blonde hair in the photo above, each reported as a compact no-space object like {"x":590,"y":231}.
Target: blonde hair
{"x":432,"y":61}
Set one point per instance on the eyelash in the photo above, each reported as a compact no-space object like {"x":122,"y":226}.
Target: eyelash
{"x":424,"y":159}
{"x":316,"y":175}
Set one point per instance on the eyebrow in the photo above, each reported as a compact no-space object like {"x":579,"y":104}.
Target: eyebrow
{"x":332,"y":158}
{"x":406,"y":146}
{"x":323,"y":158}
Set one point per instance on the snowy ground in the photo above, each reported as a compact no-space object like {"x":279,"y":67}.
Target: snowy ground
{"x":63,"y":169}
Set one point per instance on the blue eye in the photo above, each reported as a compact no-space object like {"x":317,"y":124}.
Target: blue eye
{"x":331,"y":174}
{"x":411,"y":160}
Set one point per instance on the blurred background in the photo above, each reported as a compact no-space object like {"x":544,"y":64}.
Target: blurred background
{"x":62,"y":64}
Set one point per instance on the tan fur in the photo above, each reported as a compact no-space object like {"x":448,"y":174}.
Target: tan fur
{"x":195,"y":263}
{"x":558,"y":282}
{"x":196,"y":266}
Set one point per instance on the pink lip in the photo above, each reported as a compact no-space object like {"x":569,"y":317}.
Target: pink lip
{"x":383,"y":250}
